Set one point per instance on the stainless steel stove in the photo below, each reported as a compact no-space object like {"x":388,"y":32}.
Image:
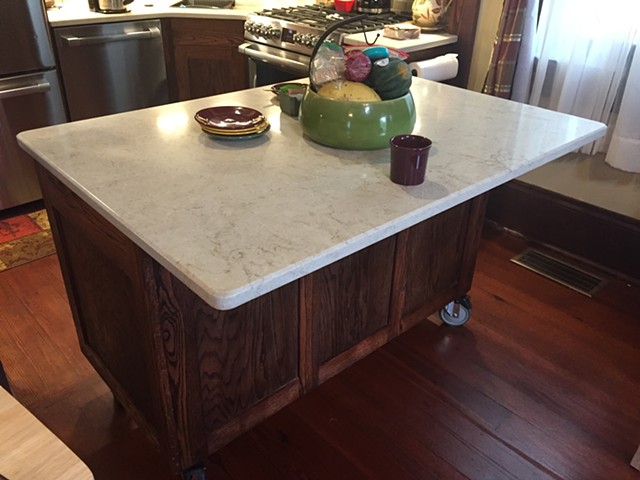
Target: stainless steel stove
{"x":279,"y":41}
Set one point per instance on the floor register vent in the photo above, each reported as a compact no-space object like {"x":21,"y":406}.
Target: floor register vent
{"x":559,"y":271}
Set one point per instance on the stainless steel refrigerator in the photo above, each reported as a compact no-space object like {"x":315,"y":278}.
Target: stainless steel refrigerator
{"x":30,"y":95}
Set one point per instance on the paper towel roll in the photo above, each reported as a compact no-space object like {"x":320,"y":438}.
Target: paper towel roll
{"x":440,"y":68}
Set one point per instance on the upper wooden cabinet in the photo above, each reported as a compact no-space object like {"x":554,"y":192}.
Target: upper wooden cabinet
{"x":202,"y":57}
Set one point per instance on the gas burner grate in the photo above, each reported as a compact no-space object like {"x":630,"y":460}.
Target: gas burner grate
{"x":322,"y":18}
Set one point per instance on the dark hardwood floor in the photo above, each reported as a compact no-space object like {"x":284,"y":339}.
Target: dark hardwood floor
{"x":542,"y":383}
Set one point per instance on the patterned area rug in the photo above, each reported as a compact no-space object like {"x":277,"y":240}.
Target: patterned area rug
{"x":25,"y":238}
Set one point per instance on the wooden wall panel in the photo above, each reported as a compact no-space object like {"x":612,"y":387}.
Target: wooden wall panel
{"x":598,"y":235}
{"x":463,"y":21}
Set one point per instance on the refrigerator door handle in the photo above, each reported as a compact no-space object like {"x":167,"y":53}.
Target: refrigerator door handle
{"x":30,"y":88}
{"x":74,"y":41}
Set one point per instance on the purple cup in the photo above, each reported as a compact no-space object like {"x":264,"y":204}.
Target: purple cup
{"x":409,"y":154}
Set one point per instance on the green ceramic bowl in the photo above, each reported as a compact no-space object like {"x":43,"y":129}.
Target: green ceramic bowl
{"x":356,"y":125}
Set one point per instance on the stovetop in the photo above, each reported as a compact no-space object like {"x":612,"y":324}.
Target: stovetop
{"x":322,"y":17}
{"x":299,"y":28}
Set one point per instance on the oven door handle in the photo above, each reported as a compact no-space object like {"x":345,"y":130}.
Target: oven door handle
{"x":248,"y":49}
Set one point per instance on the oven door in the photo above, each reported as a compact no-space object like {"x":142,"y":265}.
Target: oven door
{"x":269,"y":65}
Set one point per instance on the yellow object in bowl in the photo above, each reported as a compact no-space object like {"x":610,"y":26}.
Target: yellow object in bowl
{"x":349,"y":91}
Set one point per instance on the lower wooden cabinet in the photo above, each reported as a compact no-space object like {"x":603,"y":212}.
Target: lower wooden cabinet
{"x":357,"y":304}
{"x":195,"y":377}
{"x":435,"y":261}
{"x":345,"y":312}
{"x":202,"y":57}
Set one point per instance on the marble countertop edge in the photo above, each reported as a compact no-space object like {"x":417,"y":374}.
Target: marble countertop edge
{"x":92,"y":18}
{"x":565,"y":149}
{"x":227,"y":300}
{"x":77,"y":12}
{"x":233,"y":298}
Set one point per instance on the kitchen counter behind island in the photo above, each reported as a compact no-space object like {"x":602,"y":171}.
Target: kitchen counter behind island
{"x":213,"y":282}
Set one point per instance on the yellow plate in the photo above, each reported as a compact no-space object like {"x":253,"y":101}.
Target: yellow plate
{"x":246,"y":136}
{"x":257,"y":129}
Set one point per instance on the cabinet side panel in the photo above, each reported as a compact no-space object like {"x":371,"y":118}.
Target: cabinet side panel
{"x":107,"y":305}
{"x":178,"y":366}
{"x":435,"y":251}
{"x":437,"y":258}
{"x":102,"y":274}
{"x":245,"y":355}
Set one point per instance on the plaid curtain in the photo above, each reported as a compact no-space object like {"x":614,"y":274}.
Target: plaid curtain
{"x":499,"y":79}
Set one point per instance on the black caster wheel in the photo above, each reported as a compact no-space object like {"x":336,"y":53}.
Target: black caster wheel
{"x":456,"y":313}
{"x":194,"y":473}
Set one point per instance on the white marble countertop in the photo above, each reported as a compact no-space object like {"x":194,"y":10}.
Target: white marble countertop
{"x":76,"y":12}
{"x":236,"y":219}
{"x":426,"y":40}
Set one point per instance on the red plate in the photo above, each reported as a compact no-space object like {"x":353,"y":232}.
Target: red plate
{"x":229,"y":118}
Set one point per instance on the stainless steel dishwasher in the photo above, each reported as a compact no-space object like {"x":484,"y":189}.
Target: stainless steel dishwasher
{"x":112,"y":67}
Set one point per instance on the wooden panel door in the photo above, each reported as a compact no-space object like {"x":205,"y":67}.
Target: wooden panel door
{"x":202,"y":57}
{"x":227,"y":370}
{"x":435,"y":262}
{"x":345,"y":311}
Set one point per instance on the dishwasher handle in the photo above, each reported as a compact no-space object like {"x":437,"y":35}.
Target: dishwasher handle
{"x":73,"y":41}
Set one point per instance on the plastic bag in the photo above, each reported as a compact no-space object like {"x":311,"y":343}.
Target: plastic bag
{"x":328,"y":64}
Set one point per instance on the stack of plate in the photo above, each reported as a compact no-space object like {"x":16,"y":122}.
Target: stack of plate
{"x":232,"y":123}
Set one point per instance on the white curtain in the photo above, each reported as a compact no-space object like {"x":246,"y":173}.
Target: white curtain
{"x":583,"y":49}
{"x":624,"y":151}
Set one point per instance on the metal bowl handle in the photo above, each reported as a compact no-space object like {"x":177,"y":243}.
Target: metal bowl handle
{"x":323,"y":37}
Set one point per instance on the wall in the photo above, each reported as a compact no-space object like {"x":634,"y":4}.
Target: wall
{"x":590,"y":179}
{"x":488,"y":20}
{"x":585,"y":178}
